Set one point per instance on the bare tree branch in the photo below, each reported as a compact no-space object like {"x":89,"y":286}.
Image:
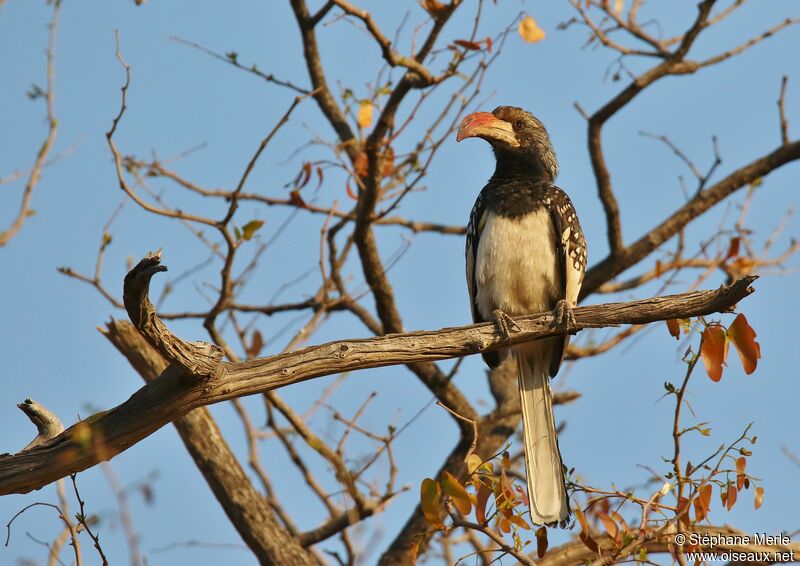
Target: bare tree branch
{"x":391,"y":56}
{"x":232,"y":59}
{"x":784,"y":123}
{"x":323,"y":94}
{"x":47,"y":145}
{"x":629,"y":256}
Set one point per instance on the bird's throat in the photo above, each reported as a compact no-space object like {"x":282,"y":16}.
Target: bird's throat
{"x":531,"y":167}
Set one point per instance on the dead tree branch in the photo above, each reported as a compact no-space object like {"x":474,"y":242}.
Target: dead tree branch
{"x":47,"y":424}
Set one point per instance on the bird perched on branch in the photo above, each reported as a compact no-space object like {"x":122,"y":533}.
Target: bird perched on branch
{"x":526,"y":254}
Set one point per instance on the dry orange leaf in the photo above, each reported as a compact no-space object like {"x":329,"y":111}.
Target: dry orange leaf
{"x":733,"y":248}
{"x":503,"y":524}
{"x":740,"y":481}
{"x":360,"y":164}
{"x":759,"y":497}
{"x":744,"y":338}
{"x":585,"y":535}
{"x":296,"y":199}
{"x":541,"y":541}
{"x":713,"y":349}
{"x":702,"y":503}
{"x":256,"y":345}
{"x":429,"y":495}
{"x":741,"y":464}
{"x":349,"y":191}
{"x":388,"y":162}
{"x":519,"y":521}
{"x":453,"y":488}
{"x":481,"y":499}
{"x":435,"y":8}
{"x":674,"y":328}
{"x":619,"y":520}
{"x":466,"y":44}
{"x":530,"y":31}
{"x":365,"y":114}
{"x":730,"y":497}
{"x":683,"y":507}
{"x":610,"y":525}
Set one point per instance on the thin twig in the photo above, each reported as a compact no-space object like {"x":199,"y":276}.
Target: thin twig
{"x":784,"y":123}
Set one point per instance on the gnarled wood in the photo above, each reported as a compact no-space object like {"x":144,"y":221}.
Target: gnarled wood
{"x":47,"y":423}
{"x":198,"y":358}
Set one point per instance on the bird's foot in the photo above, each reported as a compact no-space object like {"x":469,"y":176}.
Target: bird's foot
{"x":564,"y":316}
{"x":504,"y":324}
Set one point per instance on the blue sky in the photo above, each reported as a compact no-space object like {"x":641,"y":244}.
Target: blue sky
{"x":181,"y":98}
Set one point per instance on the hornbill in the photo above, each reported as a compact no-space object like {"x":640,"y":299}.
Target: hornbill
{"x":526,"y":254}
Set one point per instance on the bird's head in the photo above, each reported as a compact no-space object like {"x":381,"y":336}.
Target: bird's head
{"x":519,"y":140}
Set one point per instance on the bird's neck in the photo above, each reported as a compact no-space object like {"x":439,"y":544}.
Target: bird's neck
{"x":531,"y":168}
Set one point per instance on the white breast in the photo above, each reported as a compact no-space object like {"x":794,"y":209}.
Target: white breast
{"x":516,"y":268}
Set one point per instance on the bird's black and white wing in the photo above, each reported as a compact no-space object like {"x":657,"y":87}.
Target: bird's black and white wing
{"x":570,"y":254}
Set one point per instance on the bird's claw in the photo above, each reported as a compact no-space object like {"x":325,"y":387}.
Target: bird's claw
{"x":564,"y":316}
{"x":504,"y":324}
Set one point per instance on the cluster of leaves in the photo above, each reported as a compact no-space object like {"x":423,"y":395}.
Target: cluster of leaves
{"x":619,"y":532}
{"x":724,"y":470}
{"x":603,"y":511}
{"x":498,"y":501}
{"x":729,"y":482}
{"x":715,"y":341}
{"x":301,"y":179}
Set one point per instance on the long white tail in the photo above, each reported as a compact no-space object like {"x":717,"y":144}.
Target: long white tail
{"x":546,"y":489}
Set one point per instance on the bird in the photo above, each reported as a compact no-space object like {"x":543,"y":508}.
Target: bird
{"x":526,"y":254}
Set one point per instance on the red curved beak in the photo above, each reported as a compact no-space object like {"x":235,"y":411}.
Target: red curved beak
{"x":487,"y":126}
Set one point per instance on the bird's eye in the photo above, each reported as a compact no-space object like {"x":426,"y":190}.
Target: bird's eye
{"x":519,"y":124}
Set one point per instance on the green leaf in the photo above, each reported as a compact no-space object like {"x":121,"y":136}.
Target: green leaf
{"x":251,"y":228}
